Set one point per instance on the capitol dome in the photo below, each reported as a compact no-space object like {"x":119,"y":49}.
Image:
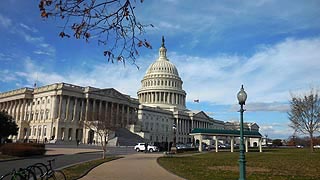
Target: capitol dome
{"x":162,"y":85}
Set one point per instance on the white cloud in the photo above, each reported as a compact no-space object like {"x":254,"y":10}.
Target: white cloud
{"x":5,"y":21}
{"x":124,"y":79}
{"x":275,"y":106}
{"x":45,"y":49}
{"x":7,"y":76}
{"x":27,"y":33}
{"x":32,"y":29}
{"x":282,"y":131}
{"x":268,"y":76}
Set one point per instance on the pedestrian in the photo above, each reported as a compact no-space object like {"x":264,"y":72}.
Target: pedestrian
{"x":145,"y":147}
{"x":78,"y":142}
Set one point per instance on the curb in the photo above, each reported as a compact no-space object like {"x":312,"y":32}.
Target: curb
{"x":32,"y":157}
{"x":86,"y":172}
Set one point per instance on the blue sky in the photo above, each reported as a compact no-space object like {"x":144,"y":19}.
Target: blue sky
{"x":272,"y":47}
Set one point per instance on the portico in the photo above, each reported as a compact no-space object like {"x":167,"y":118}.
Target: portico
{"x":199,"y":134}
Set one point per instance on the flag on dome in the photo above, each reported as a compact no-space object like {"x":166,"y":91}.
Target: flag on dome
{"x":196,"y":100}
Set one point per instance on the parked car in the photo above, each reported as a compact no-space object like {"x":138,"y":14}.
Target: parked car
{"x":299,"y":146}
{"x":316,"y":146}
{"x":181,"y":146}
{"x":224,"y":146}
{"x":141,"y":147}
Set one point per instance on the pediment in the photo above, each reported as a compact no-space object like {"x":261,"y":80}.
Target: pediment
{"x":255,"y":126}
{"x":110,"y":92}
{"x":201,"y":115}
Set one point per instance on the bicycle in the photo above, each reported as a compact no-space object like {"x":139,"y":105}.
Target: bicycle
{"x":22,"y":174}
{"x":46,"y":172}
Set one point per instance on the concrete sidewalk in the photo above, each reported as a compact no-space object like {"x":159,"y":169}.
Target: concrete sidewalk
{"x":58,"y":151}
{"x":139,"y":166}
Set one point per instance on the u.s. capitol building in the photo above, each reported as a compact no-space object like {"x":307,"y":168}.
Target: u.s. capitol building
{"x":57,"y":112}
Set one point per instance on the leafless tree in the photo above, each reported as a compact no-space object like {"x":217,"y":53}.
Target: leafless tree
{"x":106,"y":123}
{"x":304,"y":114}
{"x":112,"y":23}
{"x":102,"y":130}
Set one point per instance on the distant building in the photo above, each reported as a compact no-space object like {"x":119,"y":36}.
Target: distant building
{"x":247,"y":126}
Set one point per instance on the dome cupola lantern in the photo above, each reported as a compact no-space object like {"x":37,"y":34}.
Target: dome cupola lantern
{"x":163,"y":51}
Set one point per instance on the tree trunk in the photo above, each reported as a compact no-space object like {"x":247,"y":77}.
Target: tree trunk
{"x":104,"y":147}
{"x":311,"y":142}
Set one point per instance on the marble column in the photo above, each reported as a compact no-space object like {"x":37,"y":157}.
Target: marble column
{"x":93,"y":110}
{"x":128,"y":115}
{"x":122,"y":116}
{"x":232,"y":143}
{"x":200,"y":143}
{"x":67,"y":109}
{"x":54,"y":108}
{"x":117,"y":122}
{"x":82,"y":109}
{"x":87,"y":110}
{"x":60,"y":107}
{"x":75,"y":108}
{"x":100,"y":111}
{"x":246,"y":144}
{"x":23,"y":110}
{"x":216,"y":143}
{"x":111,"y":114}
{"x":106,"y":112}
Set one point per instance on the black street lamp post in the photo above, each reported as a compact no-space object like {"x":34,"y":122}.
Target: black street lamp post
{"x":173,"y":148}
{"x":242,"y":97}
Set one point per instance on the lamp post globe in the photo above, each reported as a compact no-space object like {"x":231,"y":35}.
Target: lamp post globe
{"x":242,"y":97}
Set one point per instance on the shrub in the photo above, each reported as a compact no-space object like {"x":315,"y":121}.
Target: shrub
{"x":23,"y":149}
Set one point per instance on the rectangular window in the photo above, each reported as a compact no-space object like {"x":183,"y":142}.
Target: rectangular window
{"x":41,"y":116}
{"x":47,"y":114}
{"x":34,"y":131}
{"x":44,"y":130}
{"x":39,"y":130}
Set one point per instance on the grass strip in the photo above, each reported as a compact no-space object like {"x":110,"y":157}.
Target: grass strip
{"x":80,"y":170}
{"x":273,"y":164}
{"x":6,"y":157}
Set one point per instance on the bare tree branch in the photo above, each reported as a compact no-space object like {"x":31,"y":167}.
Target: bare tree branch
{"x":112,"y":23}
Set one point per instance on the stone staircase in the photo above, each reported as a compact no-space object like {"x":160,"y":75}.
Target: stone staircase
{"x":124,"y":137}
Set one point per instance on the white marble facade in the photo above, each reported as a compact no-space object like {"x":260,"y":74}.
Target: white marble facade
{"x":57,"y":111}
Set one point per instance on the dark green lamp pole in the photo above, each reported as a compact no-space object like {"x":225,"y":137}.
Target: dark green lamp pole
{"x":242,"y":97}
{"x":173,"y":148}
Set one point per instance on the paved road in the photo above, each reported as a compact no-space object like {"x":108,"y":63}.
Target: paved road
{"x":138,"y":166}
{"x":62,"y":160}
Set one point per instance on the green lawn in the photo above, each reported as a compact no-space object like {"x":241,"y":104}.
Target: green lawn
{"x":274,"y":164}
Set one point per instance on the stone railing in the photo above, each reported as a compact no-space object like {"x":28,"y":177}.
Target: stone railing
{"x":16,"y":92}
